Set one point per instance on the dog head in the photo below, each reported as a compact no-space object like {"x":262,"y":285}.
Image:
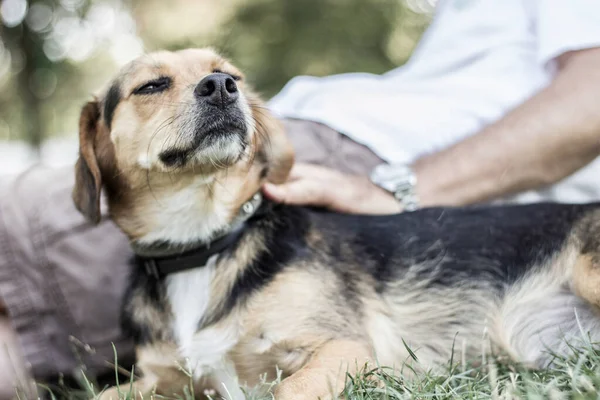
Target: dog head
{"x":178,"y":142}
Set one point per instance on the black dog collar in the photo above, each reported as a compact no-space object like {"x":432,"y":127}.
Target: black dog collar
{"x":161,"y":266}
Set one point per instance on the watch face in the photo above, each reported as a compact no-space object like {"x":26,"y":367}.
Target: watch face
{"x":390,"y":176}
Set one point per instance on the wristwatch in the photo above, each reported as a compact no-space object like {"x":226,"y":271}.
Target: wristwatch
{"x":399,"y":180}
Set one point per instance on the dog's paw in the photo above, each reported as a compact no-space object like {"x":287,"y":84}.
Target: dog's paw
{"x":129,"y":392}
{"x":302,"y":389}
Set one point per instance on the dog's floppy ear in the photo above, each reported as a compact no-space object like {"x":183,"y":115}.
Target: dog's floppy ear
{"x":274,"y":146}
{"x":88,"y":182}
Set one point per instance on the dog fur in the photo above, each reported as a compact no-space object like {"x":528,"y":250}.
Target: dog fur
{"x":313,"y":293}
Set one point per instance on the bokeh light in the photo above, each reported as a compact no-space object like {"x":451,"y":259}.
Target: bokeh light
{"x":70,"y":31}
{"x":71,"y":5}
{"x":13,"y":12}
{"x":39,"y":17}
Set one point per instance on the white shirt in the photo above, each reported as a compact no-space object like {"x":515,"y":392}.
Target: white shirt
{"x":477,"y":60}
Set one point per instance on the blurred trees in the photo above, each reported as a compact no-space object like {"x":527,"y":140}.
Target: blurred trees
{"x":55,"y":53}
{"x":50,"y":57}
{"x":275,"y":40}
{"x":33,"y":74}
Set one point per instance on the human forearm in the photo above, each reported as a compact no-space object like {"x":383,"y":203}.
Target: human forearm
{"x":547,"y":138}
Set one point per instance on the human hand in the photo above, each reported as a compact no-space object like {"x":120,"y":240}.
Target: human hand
{"x":313,"y":185}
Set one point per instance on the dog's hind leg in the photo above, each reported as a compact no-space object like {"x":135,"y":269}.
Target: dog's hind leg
{"x":544,"y":315}
{"x":323,"y":377}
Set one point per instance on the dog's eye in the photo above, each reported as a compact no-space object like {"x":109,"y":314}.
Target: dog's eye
{"x":235,"y":77}
{"x":154,"y":86}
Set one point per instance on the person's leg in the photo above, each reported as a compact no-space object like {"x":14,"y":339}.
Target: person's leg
{"x":316,"y":143}
{"x":61,"y":280}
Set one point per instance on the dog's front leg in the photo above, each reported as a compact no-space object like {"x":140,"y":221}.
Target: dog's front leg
{"x":170,"y":384}
{"x":323,"y":377}
{"x":161,"y":373}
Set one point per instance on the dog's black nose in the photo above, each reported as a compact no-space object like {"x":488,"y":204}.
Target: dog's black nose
{"x":217,"y":89}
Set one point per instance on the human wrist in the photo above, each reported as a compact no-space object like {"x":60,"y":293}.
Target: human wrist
{"x":385,"y":201}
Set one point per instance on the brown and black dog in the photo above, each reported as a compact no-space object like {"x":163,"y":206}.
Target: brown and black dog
{"x":228,"y":286}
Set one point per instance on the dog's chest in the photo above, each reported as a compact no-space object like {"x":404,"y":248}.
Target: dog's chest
{"x":189,"y":294}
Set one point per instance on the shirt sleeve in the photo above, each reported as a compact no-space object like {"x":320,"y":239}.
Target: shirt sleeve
{"x":565,"y":25}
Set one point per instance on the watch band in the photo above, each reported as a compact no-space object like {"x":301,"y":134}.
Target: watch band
{"x":405,"y":194}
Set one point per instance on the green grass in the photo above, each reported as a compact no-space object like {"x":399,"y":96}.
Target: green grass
{"x":576,"y":377}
